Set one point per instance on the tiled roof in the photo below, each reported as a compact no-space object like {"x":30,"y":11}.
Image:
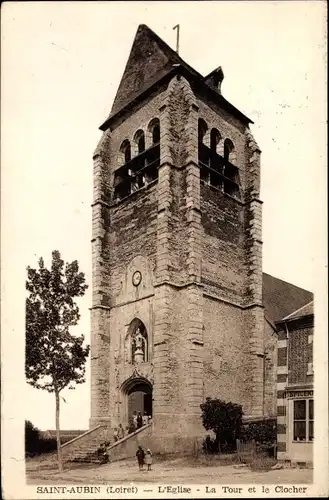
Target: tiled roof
{"x":150,"y":60}
{"x":281,"y":298}
{"x":65,"y":432}
{"x":302,"y":311}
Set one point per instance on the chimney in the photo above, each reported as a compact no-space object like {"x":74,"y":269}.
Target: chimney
{"x":215,"y":79}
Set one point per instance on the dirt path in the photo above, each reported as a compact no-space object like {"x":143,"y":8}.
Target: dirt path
{"x":171,"y":472}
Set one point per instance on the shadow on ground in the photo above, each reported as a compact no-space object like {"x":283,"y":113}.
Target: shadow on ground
{"x":201,"y":470}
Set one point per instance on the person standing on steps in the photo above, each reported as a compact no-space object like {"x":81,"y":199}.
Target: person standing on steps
{"x":140,"y":457}
{"x":145,"y":418}
{"x":135,"y":419}
{"x":148,"y":458}
{"x":121,"y":432}
{"x":139,"y":420}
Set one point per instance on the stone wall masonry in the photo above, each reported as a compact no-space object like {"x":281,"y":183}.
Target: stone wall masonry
{"x":224,"y":351}
{"x":254,"y":324}
{"x":100,"y":221}
{"x":178,"y":362}
{"x":270,"y":369}
{"x":190,"y":242}
{"x":163,"y":225}
{"x":195,"y":349}
{"x":229,"y":128}
{"x":85,"y":443}
{"x":126,"y":447}
{"x":281,"y":403}
{"x":253,"y":224}
{"x":120,"y":367}
{"x":223,"y":270}
{"x":99,"y":376}
{"x":178,"y":227}
{"x":176,"y":260}
{"x":100,"y":335}
{"x":139,"y":120}
{"x":133,"y":231}
{"x":163,"y":314}
{"x":298,"y":355}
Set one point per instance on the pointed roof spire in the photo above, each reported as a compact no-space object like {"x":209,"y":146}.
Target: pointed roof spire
{"x":150,"y":60}
{"x":148,"y":57}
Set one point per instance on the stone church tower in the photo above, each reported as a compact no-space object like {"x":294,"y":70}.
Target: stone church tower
{"x":177,"y":313}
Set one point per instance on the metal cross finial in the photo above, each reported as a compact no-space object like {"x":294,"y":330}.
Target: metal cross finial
{"x":177,"y":41}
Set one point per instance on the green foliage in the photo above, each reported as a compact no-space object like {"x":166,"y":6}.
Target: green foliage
{"x":34,"y":443}
{"x":55,"y":359}
{"x":224,"y":419}
{"x":264,"y":432}
{"x":31,"y":437}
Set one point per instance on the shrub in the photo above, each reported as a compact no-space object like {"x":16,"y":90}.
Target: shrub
{"x":32,"y":437}
{"x":225,"y":420}
{"x":209,"y":446}
{"x":264,"y":432}
{"x":34,"y":443}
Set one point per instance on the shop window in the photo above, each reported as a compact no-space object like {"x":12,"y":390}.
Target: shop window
{"x":303,"y":420}
{"x":311,"y":420}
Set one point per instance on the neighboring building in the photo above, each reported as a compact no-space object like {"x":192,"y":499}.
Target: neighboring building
{"x":295,"y":404}
{"x":65,"y":435}
{"x":178,"y":306}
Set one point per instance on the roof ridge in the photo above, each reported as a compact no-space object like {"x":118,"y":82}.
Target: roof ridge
{"x":297,"y":310}
{"x":149,"y":58}
{"x":165,"y":46}
{"x":288,"y":283}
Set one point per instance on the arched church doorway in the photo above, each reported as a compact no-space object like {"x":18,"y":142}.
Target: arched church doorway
{"x":139,"y":397}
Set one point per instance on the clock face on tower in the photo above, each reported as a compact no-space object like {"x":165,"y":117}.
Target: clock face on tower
{"x":137,"y":278}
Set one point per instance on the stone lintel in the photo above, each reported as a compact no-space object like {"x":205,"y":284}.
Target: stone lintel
{"x":176,"y":285}
{"x":106,"y":308}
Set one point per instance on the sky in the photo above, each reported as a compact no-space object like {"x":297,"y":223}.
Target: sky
{"x":61,"y":65}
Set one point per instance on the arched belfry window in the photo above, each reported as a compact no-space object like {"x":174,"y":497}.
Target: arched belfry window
{"x":139,"y":142}
{"x":214,"y":140}
{"x":125,"y":150}
{"x":140,"y":168}
{"x":218,"y":161}
{"x":156,"y":134}
{"x":153,"y":130}
{"x":202,"y":130}
{"x":228,"y":149}
{"x":137,"y":347}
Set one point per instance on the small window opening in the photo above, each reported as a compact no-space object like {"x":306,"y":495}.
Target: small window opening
{"x":156,"y":134}
{"x":142,"y":169}
{"x":228,"y":149}
{"x":140,"y":143}
{"x":214,"y":140}
{"x":202,"y":130}
{"x":125,"y":152}
{"x":217,"y":170}
{"x":303,"y":420}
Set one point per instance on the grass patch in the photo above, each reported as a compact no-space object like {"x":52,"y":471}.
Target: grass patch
{"x":262,"y":464}
{"x":214,"y":460}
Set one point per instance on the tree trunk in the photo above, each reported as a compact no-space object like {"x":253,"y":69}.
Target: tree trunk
{"x":217,"y":441}
{"x":58,"y":437}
